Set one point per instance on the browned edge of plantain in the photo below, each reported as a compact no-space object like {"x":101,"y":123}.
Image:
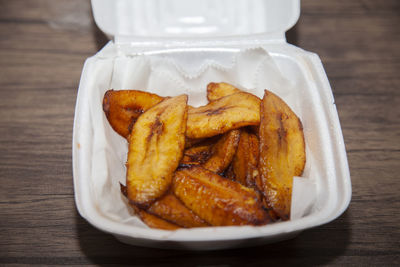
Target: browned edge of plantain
{"x":199,"y":152}
{"x":151,"y":220}
{"x":245,"y":161}
{"x":171,"y":209}
{"x":154,"y":221}
{"x":223,"y":152}
{"x":123,"y":107}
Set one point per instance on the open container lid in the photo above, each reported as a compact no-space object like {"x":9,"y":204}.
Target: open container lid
{"x":139,"y":20}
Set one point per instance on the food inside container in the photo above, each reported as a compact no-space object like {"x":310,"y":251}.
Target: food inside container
{"x":230,"y":162}
{"x":169,"y":67}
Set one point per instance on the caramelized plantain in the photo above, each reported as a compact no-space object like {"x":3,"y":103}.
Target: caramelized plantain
{"x":218,"y":90}
{"x":267,"y":206}
{"x":196,"y":154}
{"x":227,"y":113}
{"x":155,"y":148}
{"x":282,"y":152}
{"x":222,"y":152}
{"x":229,"y":174}
{"x":189,"y":142}
{"x":153,"y":221}
{"x":214,"y":154}
{"x":122,"y":108}
{"x":199,"y":151}
{"x":217,"y":200}
{"x":245,"y":162}
{"x":170,"y":208}
{"x":149,"y":219}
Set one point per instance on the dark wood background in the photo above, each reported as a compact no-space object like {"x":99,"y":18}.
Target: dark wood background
{"x":43,"y":45}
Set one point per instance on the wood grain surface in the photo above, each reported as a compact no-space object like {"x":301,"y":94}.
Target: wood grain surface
{"x":43,"y":45}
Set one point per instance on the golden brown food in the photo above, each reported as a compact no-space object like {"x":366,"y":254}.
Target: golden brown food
{"x":282,"y":152}
{"x":222,"y":152}
{"x":123,"y":107}
{"x":197,"y":154}
{"x":155,"y":148}
{"x":245,"y":162}
{"x":172,"y":209}
{"x":218,"y":90}
{"x":153,"y":221}
{"x":199,"y":151}
{"x":226,"y":138}
{"x":227,"y":113}
{"x":217,"y":200}
{"x":267,"y":206}
{"x":192,"y":142}
{"x":228,"y":173}
{"x":150,"y":220}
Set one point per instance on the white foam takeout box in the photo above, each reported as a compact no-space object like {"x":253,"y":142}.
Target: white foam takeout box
{"x":179,"y":46}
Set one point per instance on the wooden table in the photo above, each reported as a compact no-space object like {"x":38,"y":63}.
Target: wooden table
{"x":43,"y":46}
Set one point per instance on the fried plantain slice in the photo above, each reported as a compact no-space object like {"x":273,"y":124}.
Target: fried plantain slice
{"x":170,"y":208}
{"x":267,"y":206}
{"x":217,"y":200}
{"x":196,"y":154}
{"x":229,"y":174}
{"x":155,"y":148}
{"x":153,"y":221}
{"x":150,"y":220}
{"x":200,"y":151}
{"x":245,"y":161}
{"x":123,"y":107}
{"x":227,"y":113}
{"x":282,"y":152}
{"x":192,"y":142}
{"x":222,"y":152}
{"x":218,"y":90}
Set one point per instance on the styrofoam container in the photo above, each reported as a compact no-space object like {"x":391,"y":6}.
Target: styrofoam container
{"x":177,"y":46}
